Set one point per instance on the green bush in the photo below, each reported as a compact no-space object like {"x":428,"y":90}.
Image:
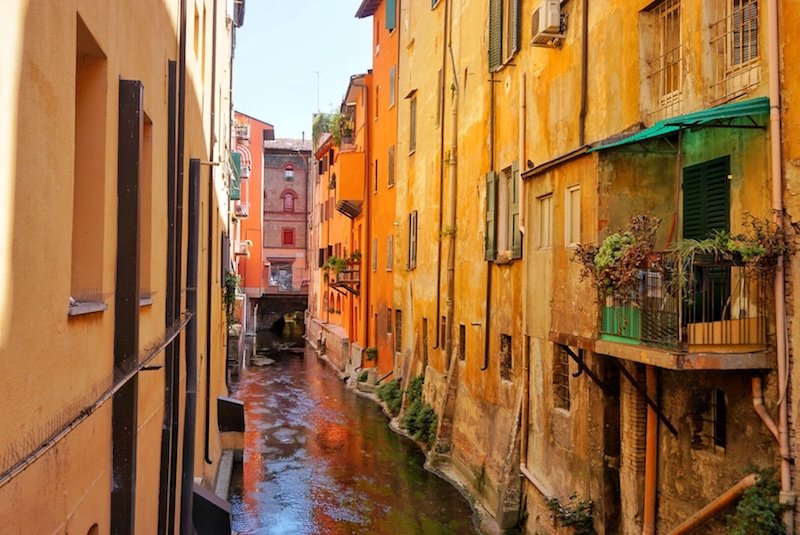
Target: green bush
{"x":391,"y":395}
{"x":759,"y":510}
{"x":420,"y":419}
{"x":362,"y":377}
{"x":414,"y":391}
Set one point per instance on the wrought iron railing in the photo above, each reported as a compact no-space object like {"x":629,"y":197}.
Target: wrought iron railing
{"x":713,"y":303}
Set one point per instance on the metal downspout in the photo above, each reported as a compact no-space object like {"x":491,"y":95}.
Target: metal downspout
{"x":190,"y":408}
{"x":584,"y":73}
{"x":210,"y":238}
{"x":787,"y":494}
{"x":489,"y":263}
{"x":452,"y":162}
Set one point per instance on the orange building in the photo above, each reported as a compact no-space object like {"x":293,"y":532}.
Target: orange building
{"x":248,"y":227}
{"x":381,"y":197}
{"x":339,"y":278}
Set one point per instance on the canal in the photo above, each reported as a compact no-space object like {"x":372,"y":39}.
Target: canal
{"x":319,"y":459}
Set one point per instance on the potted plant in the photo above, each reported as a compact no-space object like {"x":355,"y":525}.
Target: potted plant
{"x":371,"y":354}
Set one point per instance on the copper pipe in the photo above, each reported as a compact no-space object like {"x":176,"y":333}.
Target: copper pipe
{"x":716,"y":506}
{"x":787,"y":494}
{"x":651,"y":458}
{"x":761,"y":410}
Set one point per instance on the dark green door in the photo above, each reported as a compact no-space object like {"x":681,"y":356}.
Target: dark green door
{"x":706,"y":208}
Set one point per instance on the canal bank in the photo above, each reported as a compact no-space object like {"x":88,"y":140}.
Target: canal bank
{"x":319,"y":459}
{"x":437,"y":464}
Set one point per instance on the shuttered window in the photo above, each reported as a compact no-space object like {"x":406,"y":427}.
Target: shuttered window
{"x":706,"y":198}
{"x":412,"y":240}
{"x":516,"y":235}
{"x":391,"y":14}
{"x":504,"y":31}
{"x":491,"y":210}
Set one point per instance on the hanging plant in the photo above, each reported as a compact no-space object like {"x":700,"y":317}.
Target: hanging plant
{"x":229,"y":295}
{"x":614,"y":266}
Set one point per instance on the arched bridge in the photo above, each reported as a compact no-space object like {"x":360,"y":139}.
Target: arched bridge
{"x":272,"y":308}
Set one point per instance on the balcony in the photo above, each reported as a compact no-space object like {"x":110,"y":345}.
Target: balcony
{"x":348,"y":278}
{"x":350,"y":183}
{"x":717,"y":318}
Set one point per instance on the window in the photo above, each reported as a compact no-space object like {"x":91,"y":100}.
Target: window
{"x":389,"y":252}
{"x":545,"y":208}
{"x":375,"y":254}
{"x":709,"y":420}
{"x":505,"y":357}
{"x":280,"y":275}
{"x":734,"y":43}
{"x":572,"y":216}
{"x":462,"y":342}
{"x":88,"y":217}
{"x":665,"y":69}
{"x":391,"y":166}
{"x":424,"y":342}
{"x":503,"y":238}
{"x":412,"y":240}
{"x":443,"y":331}
{"x":398,"y":330}
{"x":331,"y":157}
{"x":287,"y":236}
{"x":288,"y":172}
{"x":561,"y":399}
{"x":412,"y":125}
{"x":376,"y":177}
{"x":391,"y":15}
{"x":392,"y":84}
{"x":503,"y":31}
{"x":288,"y":202}
{"x":146,"y":210}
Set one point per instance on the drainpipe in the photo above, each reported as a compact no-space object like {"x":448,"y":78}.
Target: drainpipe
{"x":190,"y":409}
{"x":723,"y":501}
{"x":758,"y":406}
{"x":651,"y":458}
{"x":440,"y":118}
{"x":210,"y":238}
{"x":787,"y":494}
{"x":452,"y":163}
{"x":584,"y":73}
{"x":489,"y":263}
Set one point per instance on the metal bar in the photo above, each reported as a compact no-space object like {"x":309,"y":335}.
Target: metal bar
{"x":642,"y":392}
{"x":582,"y":367}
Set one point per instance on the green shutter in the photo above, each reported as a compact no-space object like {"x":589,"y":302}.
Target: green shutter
{"x":495,"y":34}
{"x":391,"y":14}
{"x":236,"y":160}
{"x":515,"y":25}
{"x":514,"y":233}
{"x":706,"y":198}
{"x":491,"y":223}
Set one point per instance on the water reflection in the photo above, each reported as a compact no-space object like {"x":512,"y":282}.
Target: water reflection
{"x":320,"y":460}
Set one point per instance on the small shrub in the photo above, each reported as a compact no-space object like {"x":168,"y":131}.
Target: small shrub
{"x":371,"y":354}
{"x":362,"y":377}
{"x":414,"y":390}
{"x":391,"y":395}
{"x":576,"y":513}
{"x":759,"y":510}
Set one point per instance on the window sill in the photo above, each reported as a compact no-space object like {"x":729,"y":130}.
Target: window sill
{"x":411,"y":153}
{"x":145,"y":301}
{"x":81,"y":308}
{"x":503,"y":258}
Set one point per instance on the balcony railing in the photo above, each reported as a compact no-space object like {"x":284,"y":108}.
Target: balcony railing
{"x":719,"y":307}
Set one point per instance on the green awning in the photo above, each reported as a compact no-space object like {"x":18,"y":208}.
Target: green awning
{"x":236,"y":160}
{"x":719,"y":116}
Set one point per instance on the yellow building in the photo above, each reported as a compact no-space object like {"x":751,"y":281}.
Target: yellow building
{"x":111,"y":325}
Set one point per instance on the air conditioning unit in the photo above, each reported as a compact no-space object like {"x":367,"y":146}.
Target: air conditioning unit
{"x":546,"y":24}
{"x":241,"y":209}
{"x":242,"y":248}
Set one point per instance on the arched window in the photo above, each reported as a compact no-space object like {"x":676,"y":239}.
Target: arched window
{"x":288,"y":171}
{"x":288,"y":202}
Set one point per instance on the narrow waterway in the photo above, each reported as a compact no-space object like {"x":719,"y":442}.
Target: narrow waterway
{"x":321,"y":460}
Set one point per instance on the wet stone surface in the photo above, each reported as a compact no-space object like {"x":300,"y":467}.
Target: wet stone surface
{"x":320,"y":460}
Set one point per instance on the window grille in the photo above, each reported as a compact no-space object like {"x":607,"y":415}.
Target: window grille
{"x":734,"y":43}
{"x":561,"y":397}
{"x":665,"y":67}
{"x":505,"y":357}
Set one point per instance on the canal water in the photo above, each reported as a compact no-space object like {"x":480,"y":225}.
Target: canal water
{"x":320,"y":460}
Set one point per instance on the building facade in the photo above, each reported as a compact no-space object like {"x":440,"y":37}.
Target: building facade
{"x":111,"y":417}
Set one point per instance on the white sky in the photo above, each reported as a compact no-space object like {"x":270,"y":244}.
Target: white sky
{"x":282,"y":46}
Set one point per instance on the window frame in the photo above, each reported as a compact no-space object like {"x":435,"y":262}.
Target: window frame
{"x":572,"y":238}
{"x":287,"y":231}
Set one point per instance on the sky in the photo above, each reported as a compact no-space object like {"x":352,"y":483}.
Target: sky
{"x":282,"y":46}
